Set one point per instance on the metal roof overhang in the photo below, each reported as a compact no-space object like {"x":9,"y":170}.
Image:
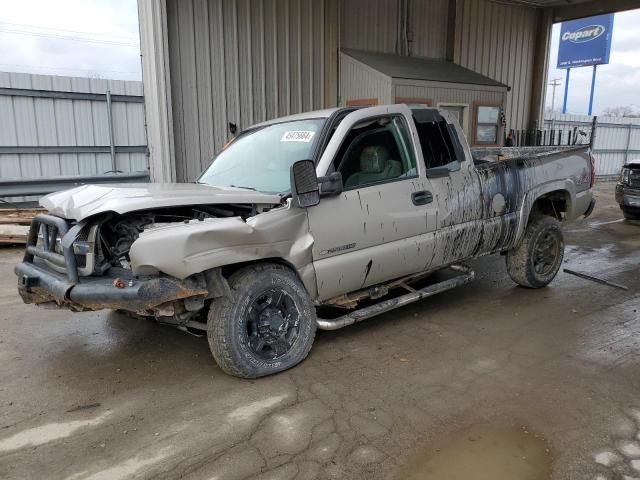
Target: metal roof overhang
{"x":570,"y":9}
{"x":421,"y":68}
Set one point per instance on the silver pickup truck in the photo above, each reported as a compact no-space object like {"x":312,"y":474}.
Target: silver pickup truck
{"x":318,"y":220}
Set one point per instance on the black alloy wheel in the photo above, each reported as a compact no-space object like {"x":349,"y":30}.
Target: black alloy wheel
{"x":272,"y":324}
{"x":546,"y":253}
{"x":265,"y":325}
{"x":537,"y":258}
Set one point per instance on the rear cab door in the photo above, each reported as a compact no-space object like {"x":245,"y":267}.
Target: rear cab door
{"x":455,"y":184}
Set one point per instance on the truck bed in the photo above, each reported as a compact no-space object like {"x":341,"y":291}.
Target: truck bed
{"x":495,"y":154}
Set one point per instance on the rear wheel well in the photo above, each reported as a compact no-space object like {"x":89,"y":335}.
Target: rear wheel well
{"x":553,"y":204}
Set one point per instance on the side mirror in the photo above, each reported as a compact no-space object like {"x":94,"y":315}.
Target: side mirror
{"x":331,"y":185}
{"x":305,"y":191}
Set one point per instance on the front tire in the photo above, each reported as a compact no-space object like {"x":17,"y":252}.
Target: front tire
{"x":267,"y":325}
{"x":536,"y":261}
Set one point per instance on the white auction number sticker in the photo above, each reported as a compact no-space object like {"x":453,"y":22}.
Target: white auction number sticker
{"x":298,"y":136}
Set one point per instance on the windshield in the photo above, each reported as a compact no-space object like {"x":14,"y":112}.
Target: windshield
{"x":261,"y":159}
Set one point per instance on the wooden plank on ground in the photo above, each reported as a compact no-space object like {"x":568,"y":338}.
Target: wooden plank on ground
{"x":13,"y":233}
{"x":18,"y":216}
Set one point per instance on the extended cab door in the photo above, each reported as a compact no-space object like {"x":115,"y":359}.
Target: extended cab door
{"x":455,"y":185}
{"x":381,"y":227}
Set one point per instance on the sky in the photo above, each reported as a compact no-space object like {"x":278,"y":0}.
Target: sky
{"x":617,"y":83}
{"x":99,"y":38}
{"x":83,"y":38}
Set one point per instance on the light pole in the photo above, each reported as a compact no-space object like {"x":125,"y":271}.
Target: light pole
{"x":566,"y":92}
{"x":593,"y":87}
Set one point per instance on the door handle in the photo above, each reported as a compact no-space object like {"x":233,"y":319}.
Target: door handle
{"x":421,"y":198}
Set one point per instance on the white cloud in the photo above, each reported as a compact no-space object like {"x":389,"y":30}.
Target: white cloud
{"x":43,"y":36}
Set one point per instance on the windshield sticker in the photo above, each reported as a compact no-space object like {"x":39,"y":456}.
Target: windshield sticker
{"x":298,"y":136}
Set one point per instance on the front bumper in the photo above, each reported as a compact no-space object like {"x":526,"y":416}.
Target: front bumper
{"x":627,"y":196}
{"x":39,"y":285}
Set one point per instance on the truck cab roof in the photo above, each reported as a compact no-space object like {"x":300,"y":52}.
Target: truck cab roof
{"x":325,"y":113}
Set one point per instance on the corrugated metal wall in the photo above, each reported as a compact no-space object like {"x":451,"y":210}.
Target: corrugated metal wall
{"x":370,"y":25}
{"x":447,"y":94}
{"x":617,"y":139}
{"x":428,"y":27}
{"x":358,"y":81}
{"x":156,"y":76}
{"x":46,"y":122}
{"x":498,"y":41}
{"x":245,"y":61}
{"x":467,"y":95}
{"x":373,"y":25}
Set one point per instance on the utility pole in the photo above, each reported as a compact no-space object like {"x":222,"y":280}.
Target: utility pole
{"x":554,"y":84}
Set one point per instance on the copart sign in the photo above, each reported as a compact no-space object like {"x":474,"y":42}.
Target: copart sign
{"x":586,"y":41}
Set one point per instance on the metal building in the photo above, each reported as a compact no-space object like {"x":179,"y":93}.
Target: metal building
{"x":476,"y":101}
{"x":209,"y":63}
{"x":83,"y":129}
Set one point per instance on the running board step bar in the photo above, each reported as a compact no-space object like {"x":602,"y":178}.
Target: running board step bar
{"x":466,"y":275}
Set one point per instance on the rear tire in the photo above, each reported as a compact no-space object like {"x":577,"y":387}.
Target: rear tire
{"x":631,"y":214}
{"x":536,"y":261}
{"x":267,"y":325}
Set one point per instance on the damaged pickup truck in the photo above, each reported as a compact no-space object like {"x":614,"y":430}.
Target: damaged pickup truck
{"x":317,"y":220}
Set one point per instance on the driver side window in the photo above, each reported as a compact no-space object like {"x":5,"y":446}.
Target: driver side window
{"x":376,"y":151}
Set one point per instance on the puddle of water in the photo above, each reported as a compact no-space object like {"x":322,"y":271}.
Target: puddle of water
{"x":482,"y":453}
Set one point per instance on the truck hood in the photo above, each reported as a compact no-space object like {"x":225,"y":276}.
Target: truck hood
{"x":82,"y":202}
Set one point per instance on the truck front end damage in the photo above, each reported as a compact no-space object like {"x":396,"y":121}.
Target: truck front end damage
{"x":74,"y":265}
{"x":164,"y":262}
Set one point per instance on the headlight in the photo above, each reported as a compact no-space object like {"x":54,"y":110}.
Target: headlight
{"x":57,"y":248}
{"x":81,"y":248}
{"x":624,"y":176}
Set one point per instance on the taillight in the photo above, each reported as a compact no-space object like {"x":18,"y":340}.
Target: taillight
{"x":593,"y":169}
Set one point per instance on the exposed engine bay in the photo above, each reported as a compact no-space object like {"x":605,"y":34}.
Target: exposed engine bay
{"x":115,"y":234}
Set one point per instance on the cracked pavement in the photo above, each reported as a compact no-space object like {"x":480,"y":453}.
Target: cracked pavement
{"x":102,"y":396}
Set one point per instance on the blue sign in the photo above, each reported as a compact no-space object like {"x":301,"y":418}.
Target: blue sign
{"x":586,"y":41}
